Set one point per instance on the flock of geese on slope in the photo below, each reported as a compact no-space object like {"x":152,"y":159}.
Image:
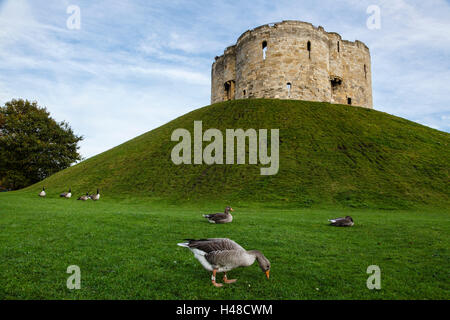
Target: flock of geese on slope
{"x":220,"y":254}
{"x":68,"y":195}
{"x":223,"y":254}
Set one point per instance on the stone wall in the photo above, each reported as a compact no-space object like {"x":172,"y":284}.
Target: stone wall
{"x":299,"y":62}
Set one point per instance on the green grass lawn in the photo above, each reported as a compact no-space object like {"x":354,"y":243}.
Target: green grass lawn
{"x":127,"y":249}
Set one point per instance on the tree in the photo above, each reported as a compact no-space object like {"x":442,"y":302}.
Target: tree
{"x":33,"y":145}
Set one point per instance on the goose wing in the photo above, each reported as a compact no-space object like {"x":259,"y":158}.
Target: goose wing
{"x":216,"y":216}
{"x":337,"y":221}
{"x":344,"y":223}
{"x":341,"y":222}
{"x":214,"y":244}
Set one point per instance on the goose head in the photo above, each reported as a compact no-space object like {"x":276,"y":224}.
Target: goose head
{"x":348,"y":218}
{"x":228,"y":209}
{"x":263,"y":262}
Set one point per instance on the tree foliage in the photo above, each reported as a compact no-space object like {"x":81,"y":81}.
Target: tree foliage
{"x":33,"y":145}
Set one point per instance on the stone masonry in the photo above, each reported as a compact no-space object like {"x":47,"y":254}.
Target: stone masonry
{"x":293,"y":60}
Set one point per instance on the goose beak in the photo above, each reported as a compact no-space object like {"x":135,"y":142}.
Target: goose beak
{"x":267,"y":274}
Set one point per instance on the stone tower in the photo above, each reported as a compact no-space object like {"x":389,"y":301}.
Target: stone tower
{"x":293,"y":60}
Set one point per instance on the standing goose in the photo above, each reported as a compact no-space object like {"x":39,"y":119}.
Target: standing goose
{"x":85,"y":197}
{"x":222,"y":217}
{"x":223,"y":255}
{"x":342,"y":222}
{"x":95,"y":197}
{"x":42,"y":193}
{"x":66,"y":195}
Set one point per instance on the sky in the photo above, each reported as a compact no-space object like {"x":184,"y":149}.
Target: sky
{"x":128,"y":67}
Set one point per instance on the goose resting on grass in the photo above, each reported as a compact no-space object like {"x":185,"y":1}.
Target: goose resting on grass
{"x":342,"y":222}
{"x":85,"y":197}
{"x":95,"y":197}
{"x":66,"y":195}
{"x":42,"y":193}
{"x":222,"y":217}
{"x":223,"y":255}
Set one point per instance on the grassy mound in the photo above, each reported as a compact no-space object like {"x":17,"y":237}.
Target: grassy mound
{"x":329,"y":155}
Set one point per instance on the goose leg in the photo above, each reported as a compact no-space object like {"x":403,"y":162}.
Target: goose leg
{"x":225,"y":279}
{"x":213,"y":279}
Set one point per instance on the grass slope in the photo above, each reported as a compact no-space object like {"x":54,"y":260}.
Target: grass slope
{"x":128,"y":251}
{"x":329,"y":154}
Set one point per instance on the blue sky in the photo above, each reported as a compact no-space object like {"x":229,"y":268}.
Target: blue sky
{"x":133,"y":66}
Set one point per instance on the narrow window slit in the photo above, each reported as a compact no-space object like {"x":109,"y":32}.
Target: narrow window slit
{"x":308,"y":47}
{"x":264,"y":49}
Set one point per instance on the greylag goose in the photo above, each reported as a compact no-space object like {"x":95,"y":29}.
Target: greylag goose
{"x":85,"y":197}
{"x":342,"y":222}
{"x":95,"y":197}
{"x":223,"y":255}
{"x":222,"y":217}
{"x":42,"y":193}
{"x":66,"y":195}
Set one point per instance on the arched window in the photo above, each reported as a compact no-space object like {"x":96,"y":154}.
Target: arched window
{"x":289,"y":86}
{"x":244,"y":92}
{"x":308,"y":47}
{"x":264,"y":49}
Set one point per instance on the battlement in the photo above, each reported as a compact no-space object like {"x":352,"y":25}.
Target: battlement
{"x":293,"y":60}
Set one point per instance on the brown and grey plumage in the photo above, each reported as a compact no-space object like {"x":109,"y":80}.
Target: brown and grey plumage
{"x":221,"y":217}
{"x":223,"y":255}
{"x":42,"y":193}
{"x":66,"y":195}
{"x":96,"y":196}
{"x":85,"y":197}
{"x":342,"y":222}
